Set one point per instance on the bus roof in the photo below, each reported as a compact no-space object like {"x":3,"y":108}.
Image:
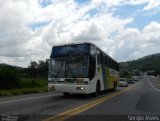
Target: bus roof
{"x":78,"y":43}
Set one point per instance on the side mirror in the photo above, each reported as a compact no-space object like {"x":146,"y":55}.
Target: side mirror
{"x":48,"y":61}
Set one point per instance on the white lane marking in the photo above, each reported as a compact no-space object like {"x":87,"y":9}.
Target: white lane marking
{"x":153,"y":86}
{"x":28,"y":99}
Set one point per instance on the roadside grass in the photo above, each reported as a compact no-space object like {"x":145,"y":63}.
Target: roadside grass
{"x":22,"y":91}
{"x":33,"y":82}
{"x":28,"y":86}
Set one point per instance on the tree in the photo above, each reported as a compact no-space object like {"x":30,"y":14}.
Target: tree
{"x":124,"y":73}
{"x":33,"y":68}
{"x":42,"y":68}
{"x":39,"y":69}
{"x":9,"y":78}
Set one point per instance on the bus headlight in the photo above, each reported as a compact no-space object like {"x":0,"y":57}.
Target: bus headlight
{"x":51,"y":87}
{"x":80,"y":88}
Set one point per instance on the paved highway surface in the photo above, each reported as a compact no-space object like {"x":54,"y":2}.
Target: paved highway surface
{"x":140,"y":101}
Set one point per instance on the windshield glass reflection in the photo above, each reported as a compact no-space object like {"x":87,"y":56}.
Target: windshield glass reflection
{"x":69,"y":67}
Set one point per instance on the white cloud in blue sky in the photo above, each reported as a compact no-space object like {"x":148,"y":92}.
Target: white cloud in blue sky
{"x":82,"y":1}
{"x":45,"y":3}
{"x":38,"y":25}
{"x":125,"y":29}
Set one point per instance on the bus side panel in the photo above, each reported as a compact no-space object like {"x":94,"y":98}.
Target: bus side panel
{"x":112,"y":77}
{"x":108,"y":78}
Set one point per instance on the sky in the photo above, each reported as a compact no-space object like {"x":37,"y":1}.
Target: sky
{"x":124,"y":29}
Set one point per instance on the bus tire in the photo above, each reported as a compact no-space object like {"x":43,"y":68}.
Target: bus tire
{"x":97,"y":89}
{"x":114,"y":86}
{"x":66,"y":93}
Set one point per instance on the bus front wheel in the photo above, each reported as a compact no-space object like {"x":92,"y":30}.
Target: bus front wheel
{"x":97,"y":89}
{"x":66,"y":93}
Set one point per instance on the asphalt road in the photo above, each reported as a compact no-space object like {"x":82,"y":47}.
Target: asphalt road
{"x":140,"y":102}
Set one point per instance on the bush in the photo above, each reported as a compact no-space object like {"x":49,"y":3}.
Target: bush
{"x":9,"y":78}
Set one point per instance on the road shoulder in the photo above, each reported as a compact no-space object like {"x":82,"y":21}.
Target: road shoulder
{"x":155,"y":82}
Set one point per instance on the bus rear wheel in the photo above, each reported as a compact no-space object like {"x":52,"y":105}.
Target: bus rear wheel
{"x":114,"y":86}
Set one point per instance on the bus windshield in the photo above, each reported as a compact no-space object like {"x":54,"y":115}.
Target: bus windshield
{"x":69,"y":67}
{"x":57,"y":67}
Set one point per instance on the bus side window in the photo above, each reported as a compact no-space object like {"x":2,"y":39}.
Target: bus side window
{"x":104,"y":59}
{"x":101,"y":54}
{"x":117,"y":66}
{"x":110,"y":62}
{"x":92,"y":50}
{"x":113,"y":65}
{"x":98,"y":57}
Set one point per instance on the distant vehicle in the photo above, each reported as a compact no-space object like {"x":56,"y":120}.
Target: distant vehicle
{"x":123,"y":82}
{"x":130,"y":81}
{"x":81,"y":68}
{"x":136,"y":78}
{"x":140,"y":77}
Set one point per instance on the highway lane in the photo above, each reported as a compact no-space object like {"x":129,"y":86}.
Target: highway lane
{"x":42,"y":104}
{"x":141,"y":99}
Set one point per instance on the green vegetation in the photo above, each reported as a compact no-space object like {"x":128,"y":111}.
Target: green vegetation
{"x":9,"y":78}
{"x":17,"y":80}
{"x":124,"y":73}
{"x":34,"y":82}
{"x":147,"y":63}
{"x":28,"y":85}
{"x":23,"y":91}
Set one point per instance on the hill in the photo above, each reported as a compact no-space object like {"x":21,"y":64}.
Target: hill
{"x":11,"y":66}
{"x":147,"y":63}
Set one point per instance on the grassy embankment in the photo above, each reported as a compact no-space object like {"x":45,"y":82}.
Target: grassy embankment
{"x":28,"y":85}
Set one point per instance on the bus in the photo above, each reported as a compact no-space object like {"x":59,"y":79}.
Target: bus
{"x":81,"y":68}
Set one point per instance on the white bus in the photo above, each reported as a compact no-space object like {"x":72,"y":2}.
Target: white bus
{"x":81,"y":68}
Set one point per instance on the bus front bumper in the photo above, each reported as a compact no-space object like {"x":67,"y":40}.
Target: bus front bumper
{"x":70,"y":88}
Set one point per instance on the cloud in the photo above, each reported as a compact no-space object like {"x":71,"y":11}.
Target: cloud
{"x":13,"y":33}
{"x":29,"y":28}
{"x":133,"y":44}
{"x":152,"y":4}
